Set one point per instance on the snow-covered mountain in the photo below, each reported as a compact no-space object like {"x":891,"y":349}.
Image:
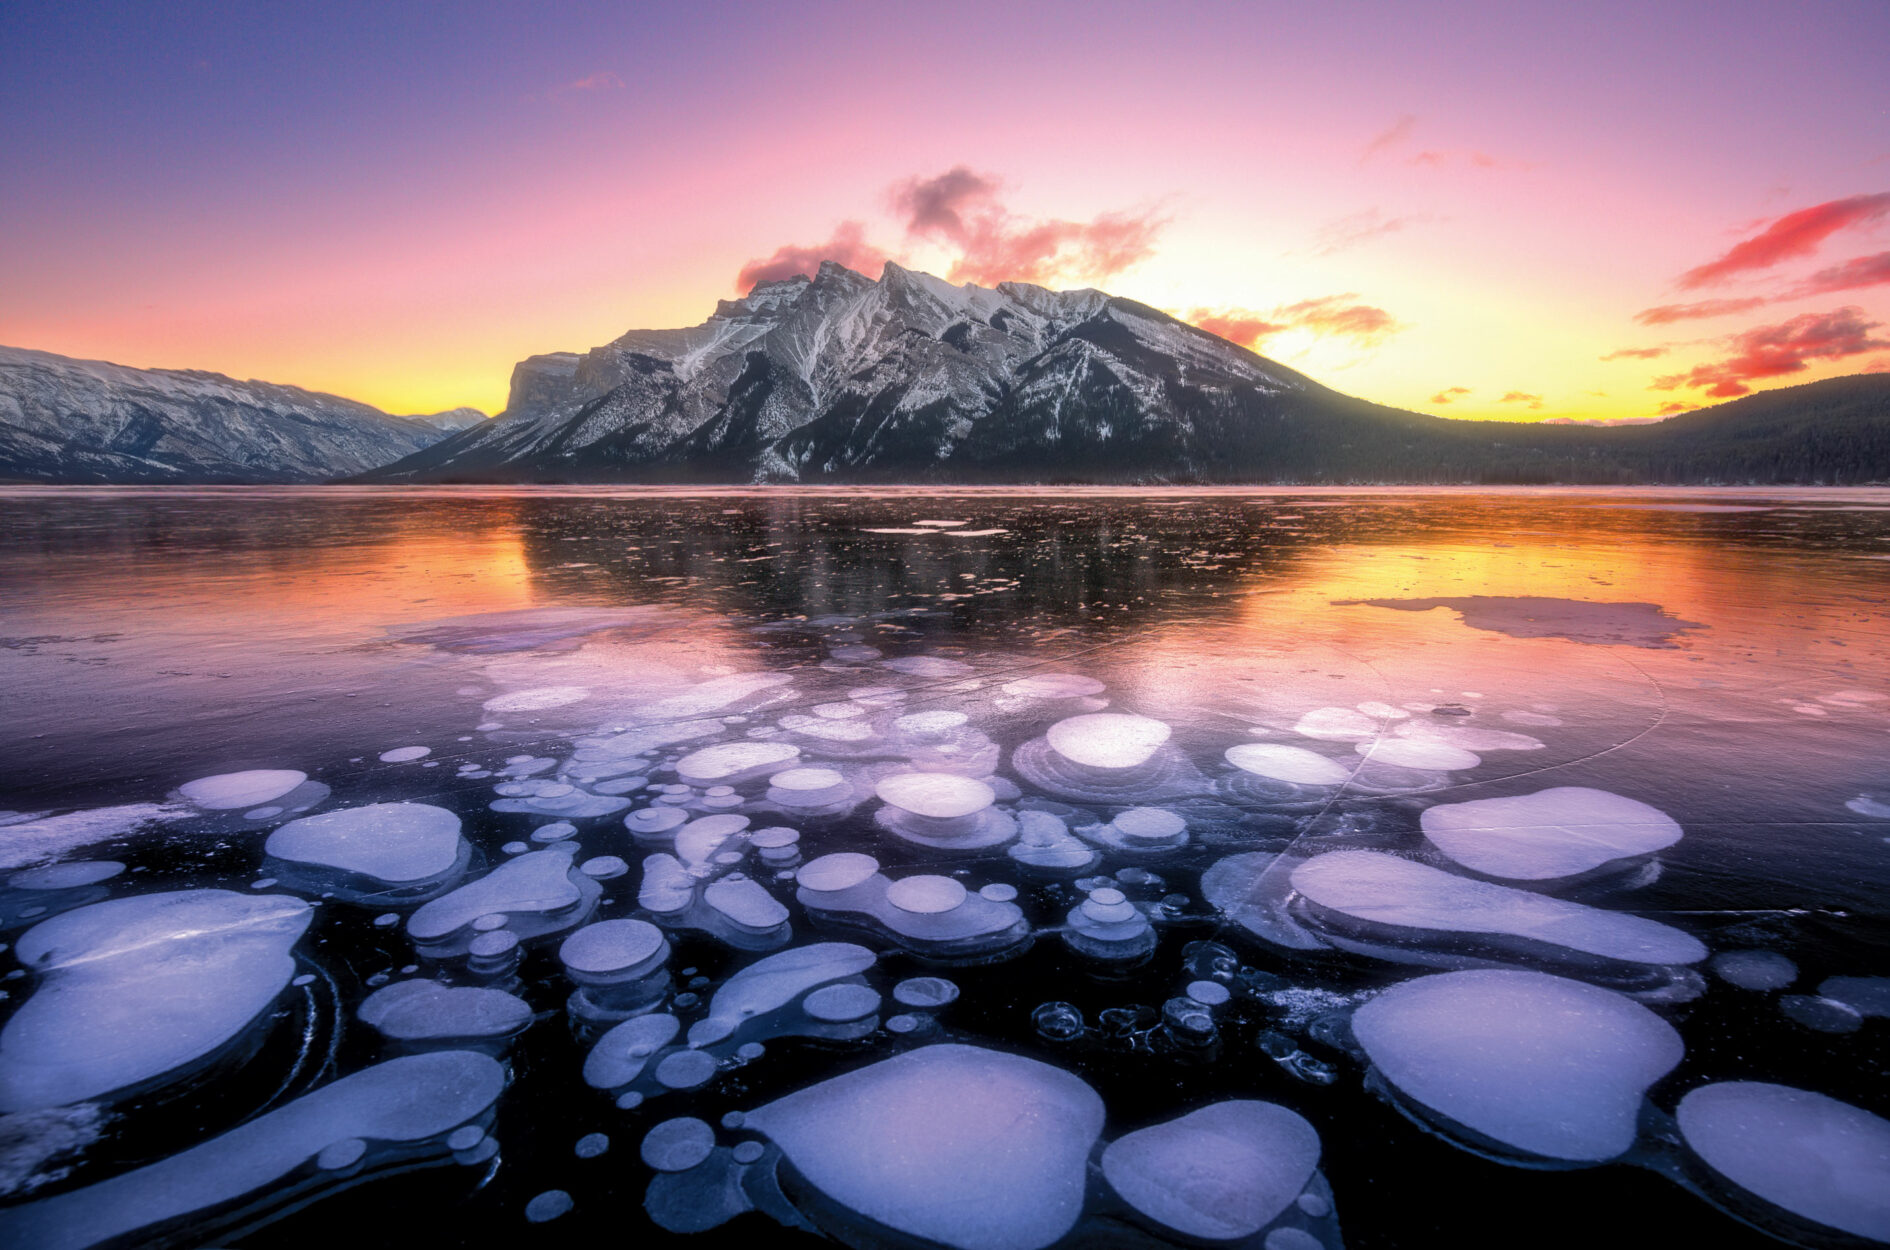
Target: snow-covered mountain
{"x":452,"y":421}
{"x":906,"y":378}
{"x":66,"y":420}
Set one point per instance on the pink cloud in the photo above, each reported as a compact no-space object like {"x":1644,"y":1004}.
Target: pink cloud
{"x":1236,"y":326}
{"x":1449,"y":394}
{"x":1777,"y":350}
{"x":1852,"y":275}
{"x":848,"y":247}
{"x":1329,"y":316}
{"x":1350,"y":231}
{"x":1793,"y":235}
{"x":1674,"y":408}
{"x":1521,"y":397}
{"x":1636,"y":353}
{"x":1667,"y":314}
{"x":1392,"y":136}
{"x":603,"y":80}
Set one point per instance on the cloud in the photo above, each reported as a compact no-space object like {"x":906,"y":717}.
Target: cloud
{"x":1392,"y":136}
{"x":1793,"y":235}
{"x":1879,"y":365}
{"x":1606,"y":421}
{"x":1329,"y":316}
{"x":1636,"y":353}
{"x":1852,"y":275}
{"x":1449,"y":394}
{"x":1674,"y":408}
{"x":961,"y":208}
{"x":1347,"y":232}
{"x":603,"y":80}
{"x":1667,"y":314}
{"x":1521,"y":397}
{"x":848,"y":247}
{"x":1236,"y":327}
{"x":1777,"y":350}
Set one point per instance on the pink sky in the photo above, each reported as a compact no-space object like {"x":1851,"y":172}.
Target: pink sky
{"x":1521,"y":211}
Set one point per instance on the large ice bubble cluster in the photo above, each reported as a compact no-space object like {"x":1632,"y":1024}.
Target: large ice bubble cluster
{"x":1559,"y":832}
{"x":957,"y":1145}
{"x":1537,"y":1064}
{"x":134,"y":988}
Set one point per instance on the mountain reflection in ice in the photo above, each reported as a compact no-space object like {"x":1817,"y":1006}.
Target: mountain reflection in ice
{"x":1130,"y":869}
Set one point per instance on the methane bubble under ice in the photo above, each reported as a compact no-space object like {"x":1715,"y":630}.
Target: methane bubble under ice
{"x":1539,"y":1064}
{"x":1552,"y":833}
{"x":960,"y":1146}
{"x":230,"y":791}
{"x":390,"y":842}
{"x":1107,"y":739}
{"x":1219,"y":1173}
{"x":1820,"y":1159}
{"x":133,"y":988}
{"x":1294,"y":765}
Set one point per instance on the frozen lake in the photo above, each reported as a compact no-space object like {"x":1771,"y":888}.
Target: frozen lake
{"x":1266,"y":868}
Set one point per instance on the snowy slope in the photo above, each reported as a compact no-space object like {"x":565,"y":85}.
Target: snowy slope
{"x":840,"y":376}
{"x":84,"y":420}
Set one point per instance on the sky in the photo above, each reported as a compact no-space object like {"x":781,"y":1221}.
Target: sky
{"x":1516,"y":210}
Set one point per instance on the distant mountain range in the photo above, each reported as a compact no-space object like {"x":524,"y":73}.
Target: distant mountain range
{"x":65,"y":420}
{"x":839,"y":378}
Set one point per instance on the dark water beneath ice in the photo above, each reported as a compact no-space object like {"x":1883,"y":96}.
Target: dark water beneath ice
{"x":1721,"y":657}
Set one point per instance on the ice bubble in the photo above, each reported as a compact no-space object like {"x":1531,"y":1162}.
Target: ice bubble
{"x":1542,"y":1065}
{"x":699,"y":840}
{"x":1820,"y":1159}
{"x":1336,"y":724}
{"x":1054,"y":686}
{"x":925,"y":993}
{"x":685,"y":1069}
{"x":930,"y":724}
{"x":426,"y":1011}
{"x":1107,"y":739}
{"x":1294,"y":765}
{"x":548,"y":1206}
{"x":70,"y":876}
{"x":613,"y":949}
{"x":1208,"y":993}
{"x":556,"y":831}
{"x":838,"y":711}
{"x":539,"y":892}
{"x":837,"y":1004}
{"x":679,"y":1144}
{"x":1407,"y":753}
{"x":855,"y":654}
{"x":403,"y":1103}
{"x":748,"y":1152}
{"x":1552,"y":833}
{"x":650,"y":824}
{"x":1867,"y":996}
{"x":229,"y":791}
{"x":1383,"y":711}
{"x":928,"y":666}
{"x":604,"y":867}
{"x":1252,"y":889}
{"x":774,"y":982}
{"x":959,"y":1146}
{"x":401,"y":755}
{"x":998,"y":892}
{"x":745,"y":903}
{"x":926,"y":895}
{"x":1371,"y":888}
{"x":827,"y":730}
{"x":540,"y":699}
{"x":1865,"y":805}
{"x":396,"y":843}
{"x":733,"y":760}
{"x":808,"y":787}
{"x":1045,"y":843}
{"x":840,"y":871}
{"x":1290,"y":1238}
{"x":133,"y":988}
{"x":1222,"y":1172}
{"x":621,"y":1054}
{"x":940,"y":796}
{"x":1755,"y":970}
{"x":1140,"y":830}
{"x":1822,"y":1015}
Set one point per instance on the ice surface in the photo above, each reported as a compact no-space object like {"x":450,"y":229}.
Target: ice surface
{"x":1532,"y":616}
{"x":1054,"y":686}
{"x":1381,"y":889}
{"x":1295,"y":765}
{"x":928,"y":666}
{"x":231,"y":791}
{"x":39,"y":838}
{"x":1755,"y":970}
{"x":420,"y":1011}
{"x":406,"y":1100}
{"x":1821,"y":1159}
{"x":961,"y":1146}
{"x":1540,"y":1064}
{"x":541,"y":699}
{"x":729,"y":761}
{"x":1107,"y":739}
{"x":1552,"y":833}
{"x":392,"y":842}
{"x":133,"y":988}
{"x":1222,"y":1172}
{"x":1336,"y":724}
